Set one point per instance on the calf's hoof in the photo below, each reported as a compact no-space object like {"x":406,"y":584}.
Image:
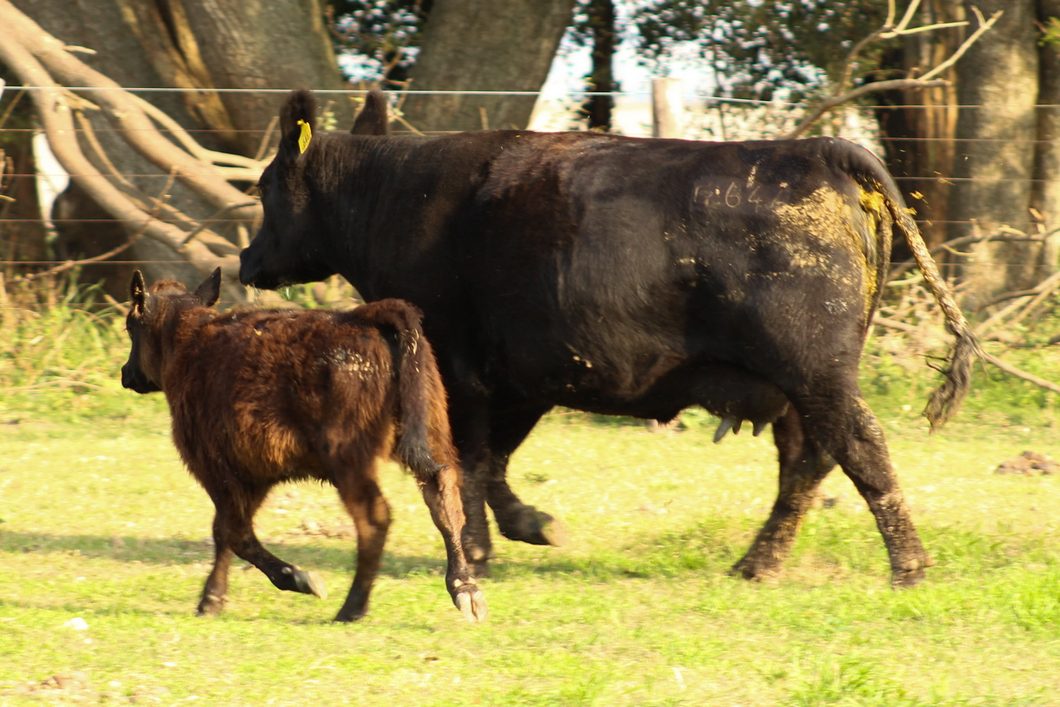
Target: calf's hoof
{"x":529,"y":525}
{"x":308,"y":583}
{"x":471,"y":602}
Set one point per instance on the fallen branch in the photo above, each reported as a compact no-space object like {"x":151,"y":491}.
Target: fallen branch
{"x":38,"y":59}
{"x":1029,"y":377}
{"x":988,"y":358}
{"x":69,"y":264}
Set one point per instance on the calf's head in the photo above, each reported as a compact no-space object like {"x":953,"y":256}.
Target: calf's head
{"x":153,"y":317}
{"x":304,"y":178}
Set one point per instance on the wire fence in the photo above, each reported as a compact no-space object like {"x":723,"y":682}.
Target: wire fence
{"x":699,"y":111}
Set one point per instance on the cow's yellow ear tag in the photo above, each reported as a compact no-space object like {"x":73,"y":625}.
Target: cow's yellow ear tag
{"x":305,"y":137}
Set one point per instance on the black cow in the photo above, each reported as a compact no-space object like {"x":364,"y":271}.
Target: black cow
{"x":620,"y":276}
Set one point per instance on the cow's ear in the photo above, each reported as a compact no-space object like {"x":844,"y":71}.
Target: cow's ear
{"x":137,"y":292}
{"x":372,"y":120}
{"x":296,"y":121}
{"x":210,"y":289}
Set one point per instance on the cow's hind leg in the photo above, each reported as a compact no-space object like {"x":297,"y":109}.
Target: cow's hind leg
{"x":364,"y":501}
{"x":802,"y":468}
{"x":516,"y":520}
{"x":866,"y":461}
{"x":843,"y":424}
{"x":234,"y":532}
{"x":442,"y":495}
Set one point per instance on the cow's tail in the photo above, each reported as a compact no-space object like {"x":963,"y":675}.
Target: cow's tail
{"x":424,"y":442}
{"x":957,"y":370}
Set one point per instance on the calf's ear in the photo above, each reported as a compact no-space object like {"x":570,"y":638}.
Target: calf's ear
{"x":137,"y":291}
{"x":296,"y":122}
{"x":372,"y":120}
{"x":210,"y":289}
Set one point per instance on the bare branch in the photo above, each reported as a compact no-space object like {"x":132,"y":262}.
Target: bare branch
{"x":983,"y":27}
{"x":876,"y":87}
{"x":841,"y":94}
{"x":120,"y":107}
{"x":57,"y":120}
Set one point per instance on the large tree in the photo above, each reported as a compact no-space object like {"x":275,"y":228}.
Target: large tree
{"x":128,"y":175}
{"x":997,"y":88}
{"x":484,"y":45}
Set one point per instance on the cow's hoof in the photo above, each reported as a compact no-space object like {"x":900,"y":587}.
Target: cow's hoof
{"x":529,"y":525}
{"x":309,"y":583}
{"x":910,"y":574}
{"x":754,"y":572}
{"x":346,"y":617}
{"x":471,"y":602}
{"x":477,"y":555}
{"x":480,"y":569}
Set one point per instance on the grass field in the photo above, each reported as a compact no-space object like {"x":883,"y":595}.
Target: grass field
{"x":99,"y":522}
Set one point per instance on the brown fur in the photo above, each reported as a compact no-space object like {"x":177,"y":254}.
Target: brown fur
{"x":260,"y":397}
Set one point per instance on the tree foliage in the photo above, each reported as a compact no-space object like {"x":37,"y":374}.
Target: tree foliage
{"x":762,"y":48}
{"x":377,"y":39}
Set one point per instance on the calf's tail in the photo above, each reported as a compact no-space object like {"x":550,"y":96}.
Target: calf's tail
{"x":957,"y":371}
{"x":424,"y":442}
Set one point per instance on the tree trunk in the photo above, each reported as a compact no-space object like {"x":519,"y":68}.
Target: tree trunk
{"x":484,"y":45}
{"x":599,"y":107}
{"x":994,"y":160}
{"x":213,"y":44}
{"x":1046,"y":198}
{"x":918,"y":126}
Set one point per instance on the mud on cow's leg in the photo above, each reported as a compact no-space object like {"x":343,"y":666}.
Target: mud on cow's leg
{"x":516,"y":520}
{"x":869,"y":467}
{"x":843,"y":425}
{"x":802,"y":468}
{"x":478,"y":548}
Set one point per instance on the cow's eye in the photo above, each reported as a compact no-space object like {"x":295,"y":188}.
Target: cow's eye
{"x":261,"y":188}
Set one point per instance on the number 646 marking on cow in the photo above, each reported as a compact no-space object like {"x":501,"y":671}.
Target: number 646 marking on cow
{"x":732,"y":197}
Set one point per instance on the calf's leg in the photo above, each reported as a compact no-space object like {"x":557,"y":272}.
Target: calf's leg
{"x":234,"y":501}
{"x":442,"y":495}
{"x":802,"y":468}
{"x":233,"y":531}
{"x":359,"y":491}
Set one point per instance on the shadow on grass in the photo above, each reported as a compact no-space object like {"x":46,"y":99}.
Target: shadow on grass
{"x":709,"y":546}
{"x":173,"y":551}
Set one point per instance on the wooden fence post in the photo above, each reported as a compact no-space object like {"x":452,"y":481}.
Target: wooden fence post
{"x":667,"y":107}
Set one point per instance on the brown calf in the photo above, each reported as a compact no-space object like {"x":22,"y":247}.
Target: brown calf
{"x":264,"y":396}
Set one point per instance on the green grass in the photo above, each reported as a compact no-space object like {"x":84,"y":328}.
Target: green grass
{"x":99,"y":521}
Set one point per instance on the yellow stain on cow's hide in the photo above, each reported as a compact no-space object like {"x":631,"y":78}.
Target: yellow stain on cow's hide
{"x":829,"y":217}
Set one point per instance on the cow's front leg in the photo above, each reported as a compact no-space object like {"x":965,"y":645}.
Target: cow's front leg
{"x":802,"y":468}
{"x":509,"y":425}
{"x":475,"y":538}
{"x":517,"y":520}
